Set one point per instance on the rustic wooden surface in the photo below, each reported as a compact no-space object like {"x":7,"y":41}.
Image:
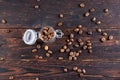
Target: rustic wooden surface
{"x":102,"y":64}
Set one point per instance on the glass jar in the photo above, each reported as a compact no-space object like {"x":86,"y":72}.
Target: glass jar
{"x":46,"y":34}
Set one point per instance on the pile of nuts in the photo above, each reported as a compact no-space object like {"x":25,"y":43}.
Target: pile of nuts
{"x":47,"y":33}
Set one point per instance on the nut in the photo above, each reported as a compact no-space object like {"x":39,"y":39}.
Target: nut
{"x":34,"y":50}
{"x":38,"y":46}
{"x":92,"y":10}
{"x":65,"y":69}
{"x":103,"y":39}
{"x":60,"y":23}
{"x":62,"y":50}
{"x":110,"y":37}
{"x":60,"y":58}
{"x":86,"y":14}
{"x":79,"y":70}
{"x":70,"y":58}
{"x":75,"y":68}
{"x":61,"y":15}
{"x":4,"y":21}
{"x":71,"y":35}
{"x":98,"y":22}
{"x":93,"y":19}
{"x":36,"y":6}
{"x":82,"y":5}
{"x":99,"y":30}
{"x":47,"y":55}
{"x":84,"y":71}
{"x":106,"y":10}
{"x":46,"y":47}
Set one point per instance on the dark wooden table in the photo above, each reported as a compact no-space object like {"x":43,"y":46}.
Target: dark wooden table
{"x":16,"y":59}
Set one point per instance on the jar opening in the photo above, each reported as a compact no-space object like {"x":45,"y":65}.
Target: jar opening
{"x":46,"y":34}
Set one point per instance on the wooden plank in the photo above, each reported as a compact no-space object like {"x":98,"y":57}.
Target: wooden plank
{"x":18,"y":58}
{"x":27,"y":17}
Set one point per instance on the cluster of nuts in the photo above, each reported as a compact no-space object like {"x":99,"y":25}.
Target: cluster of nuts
{"x":74,"y":55}
{"x":105,"y":36}
{"x":79,"y":29}
{"x":47,"y":33}
{"x":46,"y":48}
{"x":77,"y":70}
{"x":49,"y":52}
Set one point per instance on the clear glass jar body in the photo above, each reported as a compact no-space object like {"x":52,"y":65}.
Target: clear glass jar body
{"x":30,"y":36}
{"x":56,"y":34}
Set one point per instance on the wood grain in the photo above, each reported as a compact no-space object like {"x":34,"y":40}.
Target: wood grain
{"x":102,"y":64}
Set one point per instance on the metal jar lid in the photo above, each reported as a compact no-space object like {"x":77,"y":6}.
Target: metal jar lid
{"x":30,"y":37}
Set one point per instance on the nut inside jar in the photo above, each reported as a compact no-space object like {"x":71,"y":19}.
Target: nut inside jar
{"x":47,"y":34}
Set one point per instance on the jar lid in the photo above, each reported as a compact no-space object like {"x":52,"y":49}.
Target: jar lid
{"x":30,"y":37}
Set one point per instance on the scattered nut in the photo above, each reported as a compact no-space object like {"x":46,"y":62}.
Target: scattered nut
{"x":65,"y":69}
{"x":8,"y":31}
{"x":36,"y":6}
{"x":62,"y":50}
{"x":40,"y":57}
{"x":47,"y":55}
{"x":84,"y":71}
{"x":69,"y":43}
{"x":86,"y":14}
{"x":1,"y":58}
{"x":71,"y":35}
{"x":89,"y":33}
{"x":74,"y":58}
{"x":34,"y":50}
{"x":77,"y":54}
{"x":90,"y":51}
{"x":50,"y":52}
{"x":110,"y":37}
{"x":106,"y":10}
{"x":38,"y":46}
{"x":61,"y":15}
{"x":76,"y":29}
{"x":79,"y":40}
{"x":67,"y":50}
{"x":71,"y":53}
{"x":72,"y":40}
{"x":82,"y":5}
{"x":104,"y":34}
{"x":85,"y":47}
{"x":99,"y":30}
{"x":79,"y":26}
{"x":80,"y":32}
{"x":70,"y":58}
{"x":98,"y":22}
{"x":36,"y":78}
{"x":60,"y":58}
{"x":76,"y":45}
{"x":60,"y":23}
{"x":103,"y":39}
{"x":92,"y":10}
{"x":93,"y":19}
{"x":81,"y":43}
{"x":11,"y":77}
{"x":46,"y":47}
{"x":4,"y":21}
{"x":79,"y":70}
{"x":75,"y":68}
{"x":79,"y":51}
